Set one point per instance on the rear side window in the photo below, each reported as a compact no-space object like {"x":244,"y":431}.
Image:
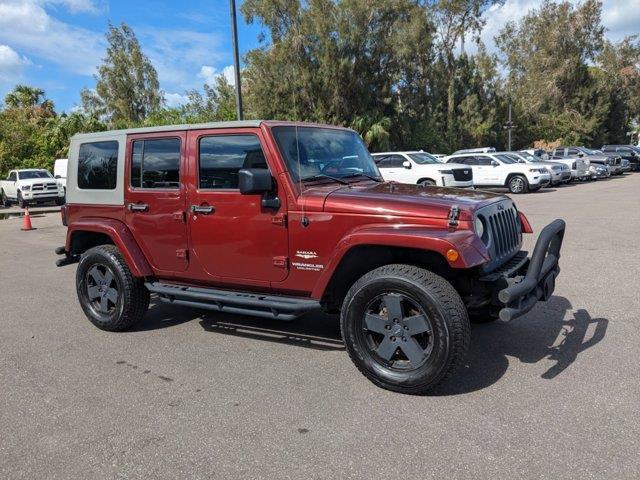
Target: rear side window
{"x":222,"y":156}
{"x":98,"y":165}
{"x":156,"y":163}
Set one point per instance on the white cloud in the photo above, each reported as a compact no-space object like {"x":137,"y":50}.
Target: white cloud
{"x":175,"y":99}
{"x":11,"y":63}
{"x":209,"y":74}
{"x":620,"y":18}
{"x":28,"y":26}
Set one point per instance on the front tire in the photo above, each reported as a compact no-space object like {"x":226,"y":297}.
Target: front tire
{"x":518,"y":184}
{"x":21,"y":201}
{"x":405,"y":328}
{"x":427,"y":183}
{"x":110,"y":296}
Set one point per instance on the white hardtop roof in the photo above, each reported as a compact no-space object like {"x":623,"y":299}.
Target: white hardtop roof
{"x":171,"y":128}
{"x":401,"y":152}
{"x":202,"y":126}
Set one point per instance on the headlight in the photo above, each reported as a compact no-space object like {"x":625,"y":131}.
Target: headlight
{"x":26,"y":188}
{"x":479,"y":226}
{"x":446,"y":172}
{"x":538,"y":170}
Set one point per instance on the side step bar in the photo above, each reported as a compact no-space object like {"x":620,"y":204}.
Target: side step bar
{"x":267,"y":306}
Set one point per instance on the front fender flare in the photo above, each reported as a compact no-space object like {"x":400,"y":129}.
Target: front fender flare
{"x":121,"y":237}
{"x":472,"y":252}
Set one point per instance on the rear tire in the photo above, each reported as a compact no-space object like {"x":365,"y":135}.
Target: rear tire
{"x":405,"y":328}
{"x":110,"y":296}
{"x":518,"y":184}
{"x":5,"y":201}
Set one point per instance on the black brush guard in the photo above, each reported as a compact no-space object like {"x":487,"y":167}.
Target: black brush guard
{"x":539,"y":281}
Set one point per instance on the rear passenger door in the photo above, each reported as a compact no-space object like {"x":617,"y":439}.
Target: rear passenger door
{"x":232,"y":236}
{"x":155,"y":198}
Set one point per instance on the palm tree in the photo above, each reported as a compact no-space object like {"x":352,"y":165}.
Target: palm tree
{"x":29,"y":98}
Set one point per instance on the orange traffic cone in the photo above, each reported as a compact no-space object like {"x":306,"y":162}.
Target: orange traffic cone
{"x":26,"y":222}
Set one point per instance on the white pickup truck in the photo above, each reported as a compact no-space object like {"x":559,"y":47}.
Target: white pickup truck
{"x":30,"y":186}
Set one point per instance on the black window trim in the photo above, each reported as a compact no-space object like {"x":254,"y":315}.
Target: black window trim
{"x":115,"y":188}
{"x":234,"y":134}
{"x":162,"y":189}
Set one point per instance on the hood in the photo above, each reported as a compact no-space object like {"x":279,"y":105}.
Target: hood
{"x":31,"y":181}
{"x":399,"y":199}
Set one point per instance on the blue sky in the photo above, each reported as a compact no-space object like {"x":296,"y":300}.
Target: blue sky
{"x":57,"y":44}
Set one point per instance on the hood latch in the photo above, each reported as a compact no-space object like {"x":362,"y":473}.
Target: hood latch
{"x":454,"y":213}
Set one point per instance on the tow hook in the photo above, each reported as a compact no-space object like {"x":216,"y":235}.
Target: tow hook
{"x":454,"y":213}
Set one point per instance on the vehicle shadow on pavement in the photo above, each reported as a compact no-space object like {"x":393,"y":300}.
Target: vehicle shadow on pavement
{"x":543,"y":334}
{"x":314,"y":330}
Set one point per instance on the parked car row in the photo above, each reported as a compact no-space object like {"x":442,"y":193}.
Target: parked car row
{"x":519,"y":171}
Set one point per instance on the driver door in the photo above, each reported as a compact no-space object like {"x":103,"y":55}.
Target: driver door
{"x":488,"y":172}
{"x":391,"y":167}
{"x":232,"y":236}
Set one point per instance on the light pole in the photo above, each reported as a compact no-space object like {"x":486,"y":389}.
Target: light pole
{"x":509,"y":126}
{"x":236,"y":58}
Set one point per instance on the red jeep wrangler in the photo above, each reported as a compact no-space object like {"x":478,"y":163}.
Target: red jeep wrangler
{"x":275,"y":219}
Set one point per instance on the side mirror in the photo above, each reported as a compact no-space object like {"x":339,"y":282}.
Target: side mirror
{"x":58,"y":176}
{"x":580,"y":154}
{"x":254,"y":180}
{"x":495,"y":163}
{"x":406,"y":164}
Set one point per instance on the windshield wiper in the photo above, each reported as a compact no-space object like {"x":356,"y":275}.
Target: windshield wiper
{"x":320,"y":176}
{"x":362,"y":174}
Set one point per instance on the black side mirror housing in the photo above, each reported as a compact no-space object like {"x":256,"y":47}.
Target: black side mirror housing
{"x":255,"y":180}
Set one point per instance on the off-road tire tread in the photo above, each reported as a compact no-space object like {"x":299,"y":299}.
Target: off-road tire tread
{"x":455,"y":314}
{"x":136,"y":295}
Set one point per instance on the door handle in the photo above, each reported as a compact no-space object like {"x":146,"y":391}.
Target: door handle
{"x":205,"y":210}
{"x":138,"y":207}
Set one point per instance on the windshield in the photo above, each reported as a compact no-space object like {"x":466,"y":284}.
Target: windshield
{"x":312,"y":152}
{"x":587,"y":151}
{"x":530,"y":158}
{"x":423,"y":158}
{"x":504,"y":158}
{"x":30,"y":174}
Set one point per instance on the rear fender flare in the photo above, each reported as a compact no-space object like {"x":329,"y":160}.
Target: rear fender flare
{"x":472,"y":252}
{"x":121,"y":237}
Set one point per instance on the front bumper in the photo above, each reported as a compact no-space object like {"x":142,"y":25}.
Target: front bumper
{"x":526,"y":280}
{"x":540,"y":180}
{"x":450,"y":181}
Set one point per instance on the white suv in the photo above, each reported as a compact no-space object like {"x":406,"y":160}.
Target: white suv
{"x":500,"y":170}
{"x":423,"y":169}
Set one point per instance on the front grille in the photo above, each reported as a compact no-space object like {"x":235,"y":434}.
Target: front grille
{"x":39,"y":187}
{"x":462,"y":174}
{"x":503,"y":235}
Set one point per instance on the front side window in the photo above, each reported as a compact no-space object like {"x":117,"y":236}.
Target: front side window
{"x":156,"y":163}
{"x":313,"y":152}
{"x":222,"y":156}
{"x":391,"y":161}
{"x":482,"y":160}
{"x":98,"y":165}
{"x":12,"y":177}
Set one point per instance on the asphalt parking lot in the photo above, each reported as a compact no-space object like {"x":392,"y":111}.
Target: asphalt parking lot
{"x":189,"y":394}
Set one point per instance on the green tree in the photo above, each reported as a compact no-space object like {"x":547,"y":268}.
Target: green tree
{"x":127,"y":89}
{"x":547,"y":55}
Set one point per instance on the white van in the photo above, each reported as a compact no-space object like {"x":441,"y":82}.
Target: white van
{"x":60,"y":172}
